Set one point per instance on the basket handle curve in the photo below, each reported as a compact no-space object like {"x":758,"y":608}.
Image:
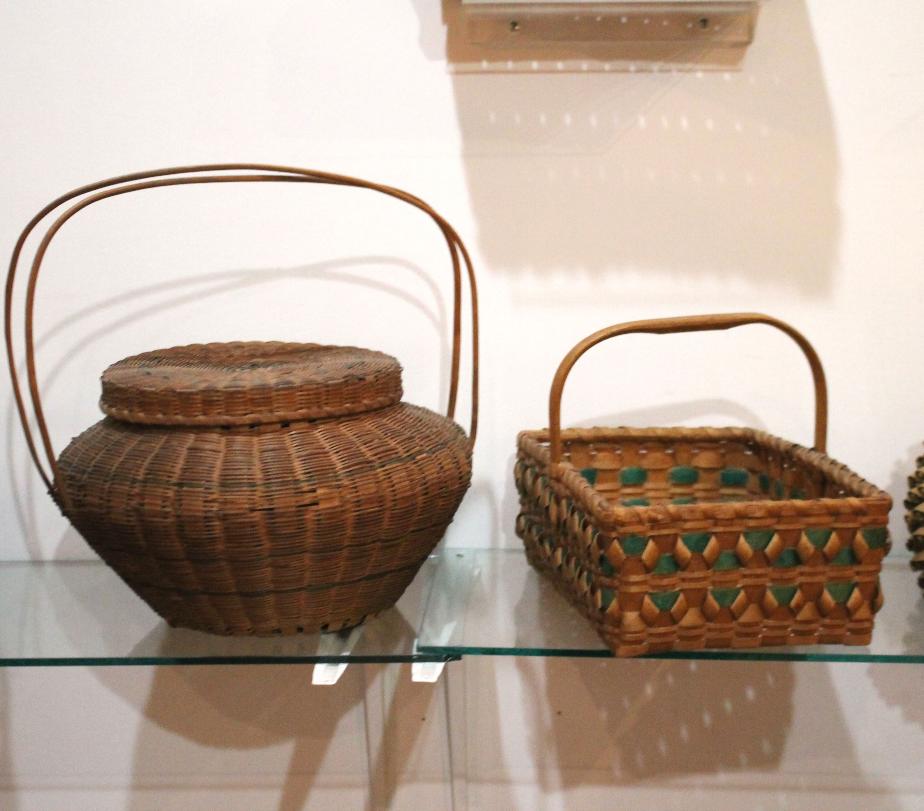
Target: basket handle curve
{"x":199,"y":174}
{"x":695,"y":323}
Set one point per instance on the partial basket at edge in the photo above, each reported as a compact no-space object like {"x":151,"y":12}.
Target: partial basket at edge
{"x":685,"y":538}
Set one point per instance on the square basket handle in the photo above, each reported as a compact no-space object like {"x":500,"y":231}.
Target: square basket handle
{"x":692,"y":323}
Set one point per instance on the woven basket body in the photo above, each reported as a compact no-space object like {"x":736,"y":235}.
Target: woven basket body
{"x":263,"y":527}
{"x":256,"y":488}
{"x":685,"y":538}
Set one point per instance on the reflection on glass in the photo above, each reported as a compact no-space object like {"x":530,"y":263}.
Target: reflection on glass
{"x":491,"y":602}
{"x":72,"y":613}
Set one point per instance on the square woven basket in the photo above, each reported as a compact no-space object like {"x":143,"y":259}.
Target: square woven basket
{"x":685,"y":538}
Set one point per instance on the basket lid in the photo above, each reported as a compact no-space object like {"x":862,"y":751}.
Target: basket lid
{"x":249,"y":383}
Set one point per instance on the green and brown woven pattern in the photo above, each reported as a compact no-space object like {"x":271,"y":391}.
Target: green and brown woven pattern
{"x":681,"y":538}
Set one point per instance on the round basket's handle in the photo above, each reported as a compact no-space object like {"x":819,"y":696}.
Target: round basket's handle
{"x":694,"y":323}
{"x":189,"y":175}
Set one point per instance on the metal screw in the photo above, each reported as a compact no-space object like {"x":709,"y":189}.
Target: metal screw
{"x":703,"y":22}
{"x":514,"y":25}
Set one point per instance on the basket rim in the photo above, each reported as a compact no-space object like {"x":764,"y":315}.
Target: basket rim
{"x":865,"y":499}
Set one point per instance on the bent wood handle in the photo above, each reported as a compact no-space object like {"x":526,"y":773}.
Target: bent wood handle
{"x":694,"y":323}
{"x":190,"y":175}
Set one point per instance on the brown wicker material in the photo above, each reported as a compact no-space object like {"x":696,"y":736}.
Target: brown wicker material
{"x":259,"y":488}
{"x":685,"y":538}
{"x":914,"y":518}
{"x":246,"y":383}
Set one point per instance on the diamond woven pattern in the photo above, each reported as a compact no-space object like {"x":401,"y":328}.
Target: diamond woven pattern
{"x":679,"y":539}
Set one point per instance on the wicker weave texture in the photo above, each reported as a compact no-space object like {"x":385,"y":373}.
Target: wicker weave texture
{"x":914,"y":518}
{"x":682,"y":538}
{"x":249,"y":382}
{"x":266,"y":530}
{"x":254,"y":488}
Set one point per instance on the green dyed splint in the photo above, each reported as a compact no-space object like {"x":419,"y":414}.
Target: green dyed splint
{"x":633,"y":476}
{"x":684,"y":474}
{"x":696,"y":541}
{"x":590,"y":474}
{"x":633,"y":544}
{"x":664,"y":600}
{"x":734,"y":477}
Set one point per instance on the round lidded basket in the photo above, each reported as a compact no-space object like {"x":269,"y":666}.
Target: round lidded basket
{"x":260,"y":487}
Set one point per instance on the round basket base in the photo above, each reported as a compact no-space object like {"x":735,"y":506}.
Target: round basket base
{"x":332,"y":609}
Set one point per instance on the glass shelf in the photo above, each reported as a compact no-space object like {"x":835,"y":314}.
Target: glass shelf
{"x":486,"y":602}
{"x":491,"y":602}
{"x":81,"y":613}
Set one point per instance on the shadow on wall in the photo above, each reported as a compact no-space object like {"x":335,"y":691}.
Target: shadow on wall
{"x":242,"y":714}
{"x":258,"y":707}
{"x":255,"y":708}
{"x":728,"y":173}
{"x":186,"y":292}
{"x":893,"y":682}
{"x":897,"y":487}
{"x":625,"y":723}
{"x":618,"y":722}
{"x":668,"y":719}
{"x":655,"y":718}
{"x":7,"y":770}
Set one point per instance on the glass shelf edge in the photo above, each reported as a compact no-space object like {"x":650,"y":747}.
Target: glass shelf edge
{"x":702,"y":655}
{"x":434,"y":629}
{"x":80,"y":614}
{"x":159,"y":661}
{"x":473,"y":578}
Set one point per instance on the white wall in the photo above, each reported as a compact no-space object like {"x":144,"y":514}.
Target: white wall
{"x":791,"y":185}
